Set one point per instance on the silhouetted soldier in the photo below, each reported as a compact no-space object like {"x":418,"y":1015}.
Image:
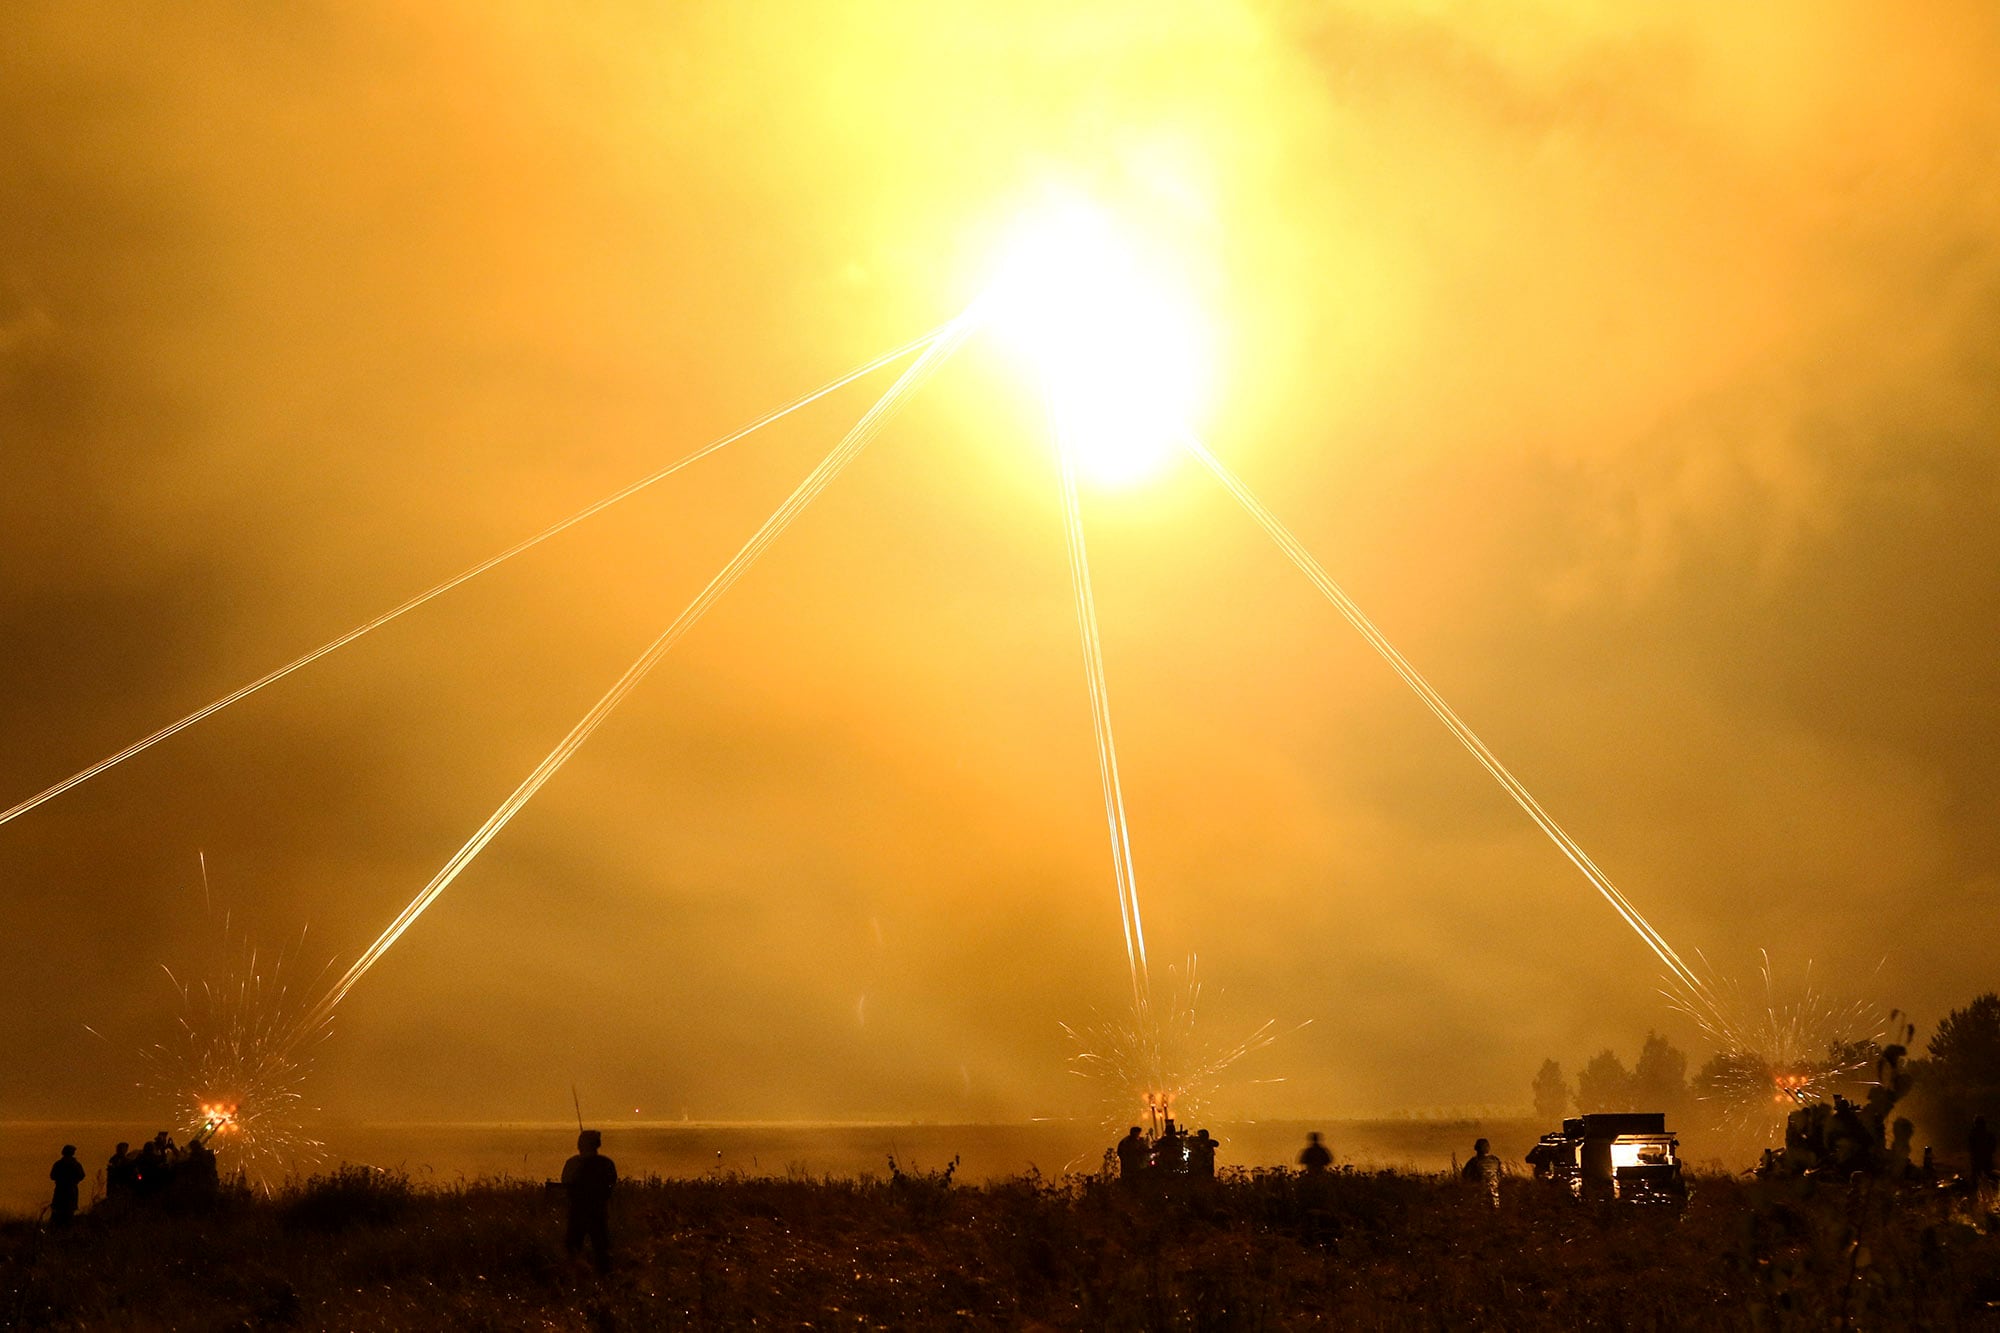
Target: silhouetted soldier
{"x":1170,"y":1153}
{"x":1134,"y":1156}
{"x":1849,"y":1141}
{"x":197,"y":1173}
{"x":1316,"y":1191}
{"x":589,"y":1177}
{"x":119,"y":1173}
{"x":1902,"y":1136}
{"x":67,"y":1173}
{"x":1201,"y":1157}
{"x":156,"y":1165}
{"x":1483,"y":1170}
{"x":149,"y":1169}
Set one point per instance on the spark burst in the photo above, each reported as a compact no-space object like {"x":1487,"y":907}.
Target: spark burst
{"x":236,"y":1067}
{"x":1155,"y":1063}
{"x":1779,"y":1052}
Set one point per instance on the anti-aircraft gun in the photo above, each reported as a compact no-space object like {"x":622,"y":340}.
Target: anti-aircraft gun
{"x":1842,"y":1138}
{"x":215,"y":1118}
{"x":1626,"y":1157}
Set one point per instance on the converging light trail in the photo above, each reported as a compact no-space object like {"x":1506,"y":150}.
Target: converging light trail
{"x":84,"y":775}
{"x":1107,"y":749}
{"x":1698,"y":990}
{"x":941,"y":346}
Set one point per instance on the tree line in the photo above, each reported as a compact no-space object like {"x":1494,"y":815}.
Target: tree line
{"x":1956,"y":1078}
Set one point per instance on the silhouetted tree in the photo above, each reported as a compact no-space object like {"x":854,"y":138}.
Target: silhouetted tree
{"x":1551,"y":1092}
{"x":1961,"y":1079}
{"x":1604,"y":1084}
{"x":1659,"y":1080}
{"x":1722,"y":1072}
{"x":1715,"y":1093}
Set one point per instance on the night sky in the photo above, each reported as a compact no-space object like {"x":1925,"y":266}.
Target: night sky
{"x":1637,"y":369}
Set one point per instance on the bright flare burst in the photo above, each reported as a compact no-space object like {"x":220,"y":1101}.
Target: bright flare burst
{"x":235,"y":1070}
{"x":1780,"y":1052}
{"x":1115,"y":341}
{"x":1156,"y":1064}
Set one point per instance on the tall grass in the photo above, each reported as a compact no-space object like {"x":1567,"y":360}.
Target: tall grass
{"x":1261,"y":1250}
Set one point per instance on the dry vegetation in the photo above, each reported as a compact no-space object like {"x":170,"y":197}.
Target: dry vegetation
{"x":1386,"y":1250}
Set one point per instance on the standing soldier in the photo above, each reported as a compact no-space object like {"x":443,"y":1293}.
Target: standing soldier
{"x":119,"y":1173}
{"x":1134,"y":1156}
{"x":198,"y":1174}
{"x":1316,"y":1190}
{"x":67,"y":1173}
{"x":588,"y":1178}
{"x":1483,"y":1170}
{"x":1201,"y":1157}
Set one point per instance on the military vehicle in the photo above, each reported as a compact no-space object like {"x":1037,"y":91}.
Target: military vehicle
{"x":1615,"y":1156}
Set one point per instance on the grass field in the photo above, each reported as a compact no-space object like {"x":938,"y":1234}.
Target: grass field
{"x":1371,"y":1250}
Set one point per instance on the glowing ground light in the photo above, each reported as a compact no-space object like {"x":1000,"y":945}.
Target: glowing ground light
{"x":1114,"y":340}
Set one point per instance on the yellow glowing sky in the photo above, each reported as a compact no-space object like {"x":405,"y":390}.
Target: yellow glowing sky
{"x":1634,"y":370}
{"x":1093,"y":310}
